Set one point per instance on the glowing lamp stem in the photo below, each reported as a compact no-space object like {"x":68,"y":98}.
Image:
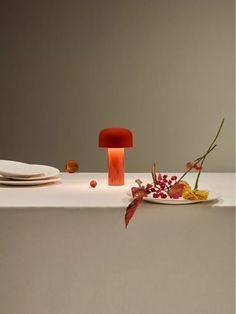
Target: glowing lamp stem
{"x":115,"y":166}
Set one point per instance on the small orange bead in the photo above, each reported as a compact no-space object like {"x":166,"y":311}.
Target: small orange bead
{"x":72,"y":166}
{"x":93,"y":183}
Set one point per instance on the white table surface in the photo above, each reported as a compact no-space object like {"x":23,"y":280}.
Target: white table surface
{"x":74,"y":191}
{"x":64,"y":249}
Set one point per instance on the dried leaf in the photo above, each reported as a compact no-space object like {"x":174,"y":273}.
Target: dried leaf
{"x":159,"y":177}
{"x":139,"y":182}
{"x":154,"y":175}
{"x":176,"y":190}
{"x":131,"y":209}
{"x":189,"y":165}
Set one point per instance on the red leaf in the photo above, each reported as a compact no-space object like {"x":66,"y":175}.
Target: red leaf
{"x":131,"y":209}
{"x":176,"y":190}
{"x":138,"y":192}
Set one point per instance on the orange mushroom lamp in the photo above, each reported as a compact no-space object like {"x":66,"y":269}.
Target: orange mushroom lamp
{"x":115,"y":139}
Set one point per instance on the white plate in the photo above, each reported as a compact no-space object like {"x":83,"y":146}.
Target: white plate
{"x":18,"y":169}
{"x":6,"y":181}
{"x":47,"y":172}
{"x":180,"y":201}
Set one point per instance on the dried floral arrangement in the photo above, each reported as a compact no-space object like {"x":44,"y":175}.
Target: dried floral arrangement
{"x":173,"y":187}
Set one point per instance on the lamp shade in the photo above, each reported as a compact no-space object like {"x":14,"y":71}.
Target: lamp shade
{"x":115,"y":138}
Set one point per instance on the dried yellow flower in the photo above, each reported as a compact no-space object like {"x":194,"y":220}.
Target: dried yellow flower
{"x":184,"y":182}
{"x":201,"y":194}
{"x":190,"y":194}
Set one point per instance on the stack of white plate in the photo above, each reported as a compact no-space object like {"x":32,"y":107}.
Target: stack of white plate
{"x":19,"y":173}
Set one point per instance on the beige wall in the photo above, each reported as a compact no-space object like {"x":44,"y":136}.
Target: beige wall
{"x":164,"y":69}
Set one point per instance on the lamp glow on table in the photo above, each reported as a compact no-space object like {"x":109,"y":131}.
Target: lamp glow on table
{"x":115,"y":139}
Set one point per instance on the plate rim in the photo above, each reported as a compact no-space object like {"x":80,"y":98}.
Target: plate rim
{"x":181,"y":201}
{"x":28,"y":183}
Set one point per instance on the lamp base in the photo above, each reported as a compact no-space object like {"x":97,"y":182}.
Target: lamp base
{"x":116,"y":166}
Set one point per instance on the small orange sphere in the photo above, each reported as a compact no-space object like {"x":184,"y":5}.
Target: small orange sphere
{"x":93,"y":183}
{"x":72,"y":166}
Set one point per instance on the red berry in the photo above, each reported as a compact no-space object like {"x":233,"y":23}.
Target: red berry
{"x":165,"y":176}
{"x":153,"y":190}
{"x":148,"y":186}
{"x":93,"y":183}
{"x":162,"y":185}
{"x":157,"y":194}
{"x":197,"y":167}
{"x":163,"y":196}
{"x":173,"y":178}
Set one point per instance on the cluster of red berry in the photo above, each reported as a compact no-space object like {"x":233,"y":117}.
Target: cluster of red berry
{"x":161,"y":187}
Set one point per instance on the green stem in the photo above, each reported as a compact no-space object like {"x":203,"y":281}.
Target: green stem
{"x":209,"y":149}
{"x":196,"y":161}
{"x":199,"y":173}
{"x":221,"y":125}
